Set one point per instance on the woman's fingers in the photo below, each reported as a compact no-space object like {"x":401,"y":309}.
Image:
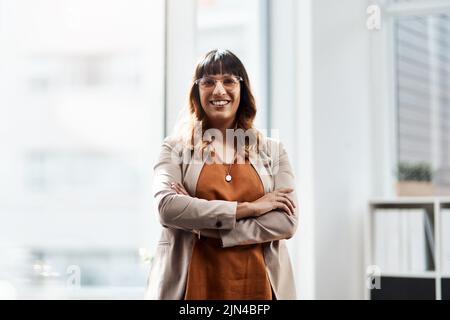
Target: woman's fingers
{"x":278,"y":193}
{"x":284,"y":207}
{"x":284,"y":195}
{"x":287,"y":203}
{"x":179,"y":188}
{"x":183,"y":189}
{"x":175,"y":188}
{"x":279,"y":204}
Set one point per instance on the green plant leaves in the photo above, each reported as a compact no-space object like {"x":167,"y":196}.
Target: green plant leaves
{"x":418,"y":171}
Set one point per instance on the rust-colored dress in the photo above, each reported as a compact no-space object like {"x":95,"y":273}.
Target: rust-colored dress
{"x":239,"y":272}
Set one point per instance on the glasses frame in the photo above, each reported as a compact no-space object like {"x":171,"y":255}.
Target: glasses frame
{"x":197,"y":81}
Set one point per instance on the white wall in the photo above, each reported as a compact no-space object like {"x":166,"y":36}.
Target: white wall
{"x":290,"y":85}
{"x":341,"y":144}
{"x":332,"y":141}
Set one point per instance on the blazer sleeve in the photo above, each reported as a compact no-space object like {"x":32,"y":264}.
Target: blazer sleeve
{"x":185,"y":212}
{"x":274,"y":225}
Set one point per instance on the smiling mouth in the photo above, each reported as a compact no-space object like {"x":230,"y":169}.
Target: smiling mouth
{"x":220,"y":103}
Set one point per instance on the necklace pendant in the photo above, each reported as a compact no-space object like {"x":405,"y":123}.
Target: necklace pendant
{"x":228,"y":178}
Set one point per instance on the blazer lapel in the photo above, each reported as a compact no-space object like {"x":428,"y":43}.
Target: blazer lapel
{"x":192,"y":172}
{"x":261,"y":163}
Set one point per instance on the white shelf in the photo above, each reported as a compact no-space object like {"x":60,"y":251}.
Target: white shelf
{"x":425,"y":275}
{"x":433,"y":207}
{"x":410,"y":200}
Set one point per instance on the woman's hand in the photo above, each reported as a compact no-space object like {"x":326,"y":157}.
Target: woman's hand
{"x":277,"y":199}
{"x":179,"y":188}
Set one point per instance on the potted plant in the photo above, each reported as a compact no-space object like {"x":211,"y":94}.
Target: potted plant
{"x":414,"y":179}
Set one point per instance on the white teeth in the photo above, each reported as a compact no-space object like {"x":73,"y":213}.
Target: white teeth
{"x":219,"y":102}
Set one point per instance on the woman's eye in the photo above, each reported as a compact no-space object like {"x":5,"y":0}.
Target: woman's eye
{"x":228,"y":81}
{"x":208,"y":82}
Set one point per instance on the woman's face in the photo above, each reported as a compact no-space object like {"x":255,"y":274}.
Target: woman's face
{"x":220,"y":96}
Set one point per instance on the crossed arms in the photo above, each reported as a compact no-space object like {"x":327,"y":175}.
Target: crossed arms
{"x":192,"y":214}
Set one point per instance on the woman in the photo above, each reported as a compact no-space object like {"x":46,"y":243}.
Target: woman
{"x":225,"y":207}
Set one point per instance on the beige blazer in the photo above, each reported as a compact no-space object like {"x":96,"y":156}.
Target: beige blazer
{"x":182,"y":215}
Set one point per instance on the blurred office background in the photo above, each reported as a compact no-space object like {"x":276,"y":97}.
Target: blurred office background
{"x":88,"y":90}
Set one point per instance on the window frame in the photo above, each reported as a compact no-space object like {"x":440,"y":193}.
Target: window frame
{"x":384,"y":91}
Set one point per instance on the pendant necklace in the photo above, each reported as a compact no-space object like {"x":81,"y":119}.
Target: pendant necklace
{"x":228,"y":176}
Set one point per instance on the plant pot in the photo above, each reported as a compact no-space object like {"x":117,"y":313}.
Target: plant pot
{"x":441,"y":191}
{"x":414,"y":188}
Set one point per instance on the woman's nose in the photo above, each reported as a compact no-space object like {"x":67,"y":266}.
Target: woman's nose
{"x":219,"y":89}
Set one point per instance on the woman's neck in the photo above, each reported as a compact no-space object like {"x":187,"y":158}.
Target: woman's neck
{"x":222,"y":127}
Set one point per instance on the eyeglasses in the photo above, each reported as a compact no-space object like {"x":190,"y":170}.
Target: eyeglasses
{"x":228,"y":82}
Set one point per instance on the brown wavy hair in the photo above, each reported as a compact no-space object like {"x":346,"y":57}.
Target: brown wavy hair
{"x":217,"y":62}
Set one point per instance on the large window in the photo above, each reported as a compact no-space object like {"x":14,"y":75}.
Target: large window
{"x":422,"y":73}
{"x":81,"y":92}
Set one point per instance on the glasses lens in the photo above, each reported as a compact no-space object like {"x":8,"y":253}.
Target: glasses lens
{"x":207,"y":82}
{"x":229,"y":82}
